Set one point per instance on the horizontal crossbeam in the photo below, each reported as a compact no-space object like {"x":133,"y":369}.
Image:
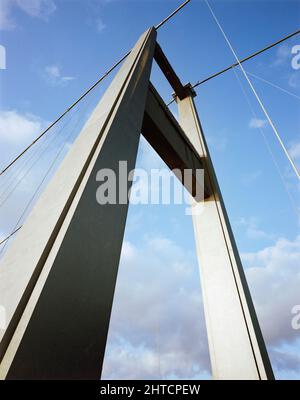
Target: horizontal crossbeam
{"x":169,"y":72}
{"x":163,"y":132}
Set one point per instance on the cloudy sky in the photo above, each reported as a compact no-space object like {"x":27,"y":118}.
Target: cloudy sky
{"x":55,"y":49}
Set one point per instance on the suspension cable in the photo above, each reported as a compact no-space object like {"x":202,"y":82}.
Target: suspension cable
{"x":293,"y":165}
{"x":17,"y":227}
{"x":273,"y":85}
{"x":9,"y":236}
{"x":246,"y":58}
{"x":200,"y":82}
{"x":293,"y":203}
{"x":111,"y":69}
{"x":64,"y":113}
{"x":32,"y":161}
{"x":172,"y":14}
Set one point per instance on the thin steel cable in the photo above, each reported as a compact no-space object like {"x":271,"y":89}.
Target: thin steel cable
{"x":55,"y":138}
{"x":88,"y":91}
{"x":16,"y":228}
{"x":19,"y":169}
{"x":9,"y":236}
{"x":293,"y":202}
{"x":273,"y":85}
{"x":65,"y":112}
{"x":293,"y":165}
{"x":14,"y":173}
{"x":172,"y":14}
{"x":46,"y":145}
{"x":158,"y":349}
{"x":200,"y":82}
{"x":270,"y":46}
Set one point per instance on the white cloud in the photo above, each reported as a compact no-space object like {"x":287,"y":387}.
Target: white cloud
{"x":35,"y":8}
{"x":100,"y":25}
{"x":257,"y":123}
{"x":252,"y":229}
{"x":54,"y":76}
{"x":294,"y":150}
{"x":2,"y":235}
{"x":255,"y":233}
{"x":294,"y":80}
{"x":286,"y":363}
{"x":251,"y":177}
{"x":283,"y":55}
{"x":6,"y":21}
{"x":18,"y":128}
{"x":274,"y":279}
{"x":147,"y":157}
{"x":218,"y":142}
{"x":131,"y":361}
{"x":157,"y":328}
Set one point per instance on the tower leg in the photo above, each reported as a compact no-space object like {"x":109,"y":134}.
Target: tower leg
{"x":236,"y":345}
{"x":59,"y":294}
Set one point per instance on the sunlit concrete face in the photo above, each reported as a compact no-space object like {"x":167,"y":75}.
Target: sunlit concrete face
{"x":237,"y":349}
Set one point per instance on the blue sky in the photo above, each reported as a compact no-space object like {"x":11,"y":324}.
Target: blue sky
{"x":57,"y":48}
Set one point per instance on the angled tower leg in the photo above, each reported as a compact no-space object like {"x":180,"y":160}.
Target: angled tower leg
{"x":236,"y":345}
{"x":57,"y":280}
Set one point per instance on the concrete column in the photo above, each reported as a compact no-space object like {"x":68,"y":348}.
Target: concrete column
{"x":236,"y":345}
{"x":57,"y":280}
